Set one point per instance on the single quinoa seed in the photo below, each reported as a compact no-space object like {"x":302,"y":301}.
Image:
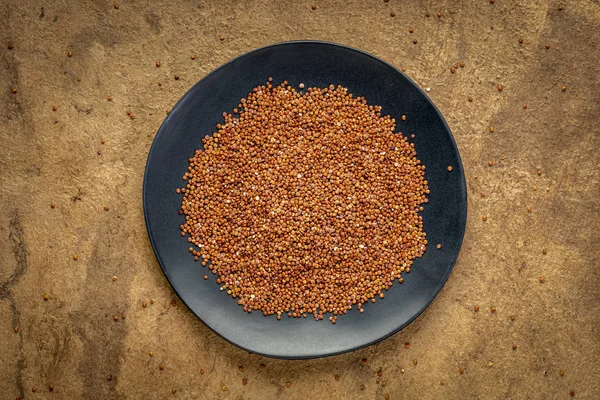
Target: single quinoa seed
{"x":407,"y":345}
{"x":572,"y":393}
{"x":439,"y":246}
{"x":500,"y":88}
{"x":114,"y":278}
{"x":70,"y":53}
{"x":521,"y":41}
{"x":52,"y":205}
{"x":415,"y":362}
{"x":461,"y":371}
{"x":449,"y":168}
{"x":115,"y":317}
{"x":10,"y":46}
{"x":176,"y":77}
{"x":288,"y":384}
{"x":16,"y":329}
{"x":313,"y":7}
{"x":51,"y":388}
{"x":392,"y":14}
{"x":161,"y":367}
{"x":46,"y":297}
{"x":151,"y":301}
{"x":470,"y":99}
{"x":157,"y":64}
{"x":442,"y":382}
{"x":75,"y":257}
{"x":286,"y":205}
{"x":514,"y":346}
{"x":490,"y":364}
{"x":150,"y":354}
{"x":484,"y":218}
{"x":244,"y":381}
{"x":54,"y":108}
{"x":564,"y":88}
{"x":116,"y":6}
{"x":542,"y":279}
{"x":547,"y":46}
{"x":144,"y":304}
{"x":33,"y":389}
{"x":337,"y":377}
{"x":193,"y":57}
{"x":524,"y":106}
{"x":14,"y":90}
{"x":562,"y":373}
{"x":490,"y":163}
{"x":362,"y":387}
{"x":106,"y":208}
{"x":462,"y":64}
{"x":476,"y":308}
{"x":544,"y":251}
{"x":224,"y":388}
{"x":109,"y":98}
{"x":173,"y":390}
{"x":493,"y":309}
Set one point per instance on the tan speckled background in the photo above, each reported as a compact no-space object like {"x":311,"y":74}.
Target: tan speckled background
{"x":71,"y":340}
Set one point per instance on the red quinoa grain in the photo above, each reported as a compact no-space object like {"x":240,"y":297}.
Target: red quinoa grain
{"x":277,"y":178}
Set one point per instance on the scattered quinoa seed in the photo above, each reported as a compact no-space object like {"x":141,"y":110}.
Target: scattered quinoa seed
{"x":224,"y":388}
{"x":500,"y":87}
{"x":173,"y":390}
{"x":151,"y":301}
{"x":70,"y":53}
{"x":176,"y":77}
{"x":51,"y":388}
{"x":470,"y":99}
{"x":542,"y":280}
{"x":514,"y":346}
{"x":415,"y":362}
{"x":301,"y":86}
{"x":564,"y":88}
{"x":442,"y":382}
{"x":547,"y":46}
{"x":244,"y":381}
{"x":16,"y":329}
{"x":439,"y":246}
{"x":572,"y":393}
{"x":493,"y":309}
{"x":392,"y":14}
{"x":157,"y":64}
{"x":106,"y":208}
{"x":205,"y":277}
{"x":116,"y":6}
{"x":150,"y":353}
{"x":221,"y":37}
{"x":14,"y":90}
{"x":490,"y":163}
{"x":45,"y":297}
{"x":10,"y":46}
{"x":407,"y":345}
{"x":144,"y":304}
{"x":33,"y":388}
{"x":544,"y":251}
{"x":461,"y":371}
{"x":115,"y":317}
{"x":288,"y":384}
{"x":490,"y":364}
{"x":449,"y":168}
{"x":476,"y":308}
{"x":484,"y":218}
{"x":54,"y":108}
{"x":161,"y":367}
{"x":52,"y":205}
{"x":520,"y":41}
{"x":75,"y":257}
{"x":313,"y":7}
{"x":562,"y":373}
{"x":114,"y":278}
{"x":193,"y":56}
{"x":362,"y":387}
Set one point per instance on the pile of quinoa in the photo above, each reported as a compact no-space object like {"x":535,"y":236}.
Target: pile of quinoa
{"x":305,"y":203}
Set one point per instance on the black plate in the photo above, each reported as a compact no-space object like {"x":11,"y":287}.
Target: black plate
{"x":314,"y":64}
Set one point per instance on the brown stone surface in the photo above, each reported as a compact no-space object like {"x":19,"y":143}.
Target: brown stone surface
{"x":72,"y":342}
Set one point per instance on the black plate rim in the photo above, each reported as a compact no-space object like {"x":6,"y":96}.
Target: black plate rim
{"x":462,"y":184}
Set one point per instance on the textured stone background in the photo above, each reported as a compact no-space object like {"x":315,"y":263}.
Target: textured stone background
{"x":71,"y":340}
